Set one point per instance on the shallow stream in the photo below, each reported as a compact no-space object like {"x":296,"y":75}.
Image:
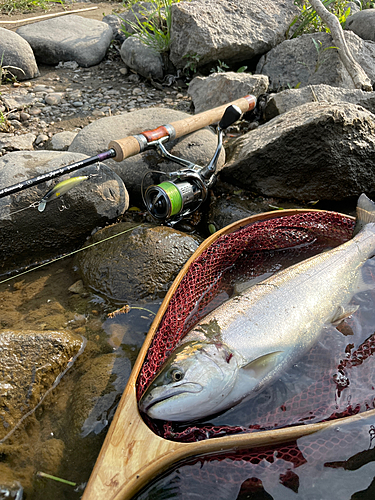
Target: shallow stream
{"x":63,"y":436}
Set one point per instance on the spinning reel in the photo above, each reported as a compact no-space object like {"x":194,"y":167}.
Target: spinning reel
{"x":183,"y":191}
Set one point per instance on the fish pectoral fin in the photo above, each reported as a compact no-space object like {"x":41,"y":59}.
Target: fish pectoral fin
{"x":342,"y":313}
{"x":262,"y":364}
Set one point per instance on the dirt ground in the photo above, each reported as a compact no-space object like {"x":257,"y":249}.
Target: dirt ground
{"x":93,"y":10}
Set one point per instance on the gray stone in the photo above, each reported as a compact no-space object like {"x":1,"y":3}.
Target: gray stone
{"x":362,"y":23}
{"x":298,"y":62}
{"x":225,"y":211}
{"x":24,"y":354}
{"x":139,"y":265}
{"x":62,"y":140}
{"x":288,"y":99}
{"x":17,"y":55}
{"x":225,"y":30}
{"x":142,"y":59}
{"x":316,"y":151}
{"x":220,"y":88}
{"x":68,"y":38}
{"x":18,"y":99}
{"x":115,"y":22}
{"x":91,"y":204}
{"x":23,"y":142}
{"x":54,"y":98}
{"x":197,"y":147}
{"x":41,"y":138}
{"x":138,"y":13}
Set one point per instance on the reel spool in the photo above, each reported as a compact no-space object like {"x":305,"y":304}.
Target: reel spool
{"x":186,"y":189}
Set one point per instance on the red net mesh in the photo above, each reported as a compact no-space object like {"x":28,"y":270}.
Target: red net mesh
{"x":207,"y":283}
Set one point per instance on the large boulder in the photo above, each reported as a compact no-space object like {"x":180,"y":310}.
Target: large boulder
{"x":32,"y":363}
{"x":220,"y":88}
{"x":139,"y":265}
{"x":197,"y":147}
{"x":214,"y":30}
{"x":142,"y":59}
{"x":17,"y":56}
{"x":300,"y":61}
{"x":362,"y":23}
{"x":27,"y":235}
{"x":68,"y":38}
{"x":316,"y":151}
{"x":286,"y":100}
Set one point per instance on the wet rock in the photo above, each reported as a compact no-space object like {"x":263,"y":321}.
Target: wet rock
{"x":139,"y":265}
{"x":229,"y":31}
{"x":31,"y":364}
{"x":298,"y":62}
{"x":315,"y":151}
{"x":142,"y":59}
{"x":30,"y":234}
{"x":97,"y":393}
{"x":62,"y":140}
{"x":68,"y":38}
{"x":17,"y":56}
{"x":362,"y":23}
{"x":10,"y":489}
{"x":49,"y":455}
{"x":220,"y":88}
{"x":197,"y":147}
{"x":291,"y":98}
{"x":224,"y":211}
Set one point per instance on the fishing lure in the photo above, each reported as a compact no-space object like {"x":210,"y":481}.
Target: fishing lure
{"x":60,"y":189}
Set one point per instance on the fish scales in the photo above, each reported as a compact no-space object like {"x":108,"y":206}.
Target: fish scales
{"x":303,"y":297}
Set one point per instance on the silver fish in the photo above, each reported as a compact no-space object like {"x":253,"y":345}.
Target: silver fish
{"x":248,"y":341}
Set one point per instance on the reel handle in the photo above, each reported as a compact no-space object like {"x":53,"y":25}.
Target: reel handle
{"x":231,"y":115}
{"x":132,"y":145}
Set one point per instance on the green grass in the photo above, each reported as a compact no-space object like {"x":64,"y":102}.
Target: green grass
{"x":22,"y":6}
{"x":155,"y":31}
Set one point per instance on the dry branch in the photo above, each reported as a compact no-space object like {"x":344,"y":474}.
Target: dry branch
{"x":359,"y":77}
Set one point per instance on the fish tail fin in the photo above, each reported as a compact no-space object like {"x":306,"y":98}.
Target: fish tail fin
{"x":365,"y":213}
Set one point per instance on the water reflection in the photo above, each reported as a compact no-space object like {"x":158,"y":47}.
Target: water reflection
{"x":337,"y":463}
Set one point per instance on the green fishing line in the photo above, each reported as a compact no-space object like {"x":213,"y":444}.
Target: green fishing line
{"x":69,"y":254}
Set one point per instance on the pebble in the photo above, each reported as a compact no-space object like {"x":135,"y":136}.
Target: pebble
{"x":109,"y":89}
{"x":54,"y":98}
{"x":41,"y":138}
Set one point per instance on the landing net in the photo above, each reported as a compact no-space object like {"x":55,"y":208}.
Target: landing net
{"x":249,"y":252}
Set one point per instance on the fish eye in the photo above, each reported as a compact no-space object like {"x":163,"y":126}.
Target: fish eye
{"x":176,"y":374}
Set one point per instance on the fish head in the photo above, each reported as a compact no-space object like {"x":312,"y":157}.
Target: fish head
{"x":192,"y":383}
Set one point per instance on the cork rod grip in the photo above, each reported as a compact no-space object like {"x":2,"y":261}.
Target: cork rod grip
{"x":130,"y":146}
{"x":211,"y":116}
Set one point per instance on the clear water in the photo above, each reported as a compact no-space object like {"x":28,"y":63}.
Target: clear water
{"x":64,"y":435}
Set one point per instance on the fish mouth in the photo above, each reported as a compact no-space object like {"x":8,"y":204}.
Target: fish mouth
{"x":148,"y":400}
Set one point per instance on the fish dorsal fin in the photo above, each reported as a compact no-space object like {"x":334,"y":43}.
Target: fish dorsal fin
{"x":262,"y":364}
{"x":365,"y":213}
{"x":342,"y":313}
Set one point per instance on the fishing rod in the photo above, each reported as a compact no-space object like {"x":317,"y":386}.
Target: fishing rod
{"x":162,"y":203}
